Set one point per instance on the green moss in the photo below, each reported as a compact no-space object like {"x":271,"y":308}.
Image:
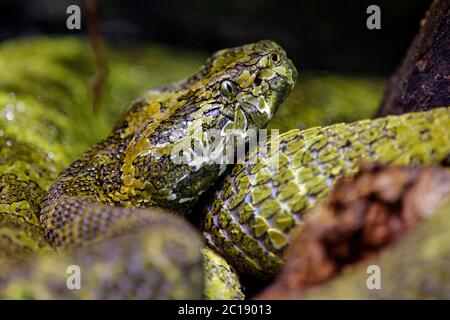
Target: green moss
{"x":46,"y":118}
{"x":46,"y":83}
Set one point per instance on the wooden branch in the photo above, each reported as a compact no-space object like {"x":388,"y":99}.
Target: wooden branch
{"x":422,"y":81}
{"x":416,"y":267}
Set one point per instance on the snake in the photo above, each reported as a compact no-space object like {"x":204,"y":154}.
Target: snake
{"x":112,"y":209}
{"x":253,"y":213}
{"x":117,"y":186}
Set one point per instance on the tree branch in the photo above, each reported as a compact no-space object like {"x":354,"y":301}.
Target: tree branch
{"x":422,"y":81}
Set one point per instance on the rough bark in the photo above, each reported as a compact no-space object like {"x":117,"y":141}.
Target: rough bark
{"x":415,"y":268}
{"x":422,"y":81}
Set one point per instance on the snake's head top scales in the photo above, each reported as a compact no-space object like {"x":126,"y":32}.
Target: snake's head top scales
{"x":254,"y":79}
{"x":238,"y":88}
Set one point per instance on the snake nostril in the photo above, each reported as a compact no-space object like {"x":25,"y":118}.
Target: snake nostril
{"x":257,"y":81}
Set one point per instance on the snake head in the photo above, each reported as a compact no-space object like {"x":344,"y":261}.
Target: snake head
{"x":181,"y":142}
{"x":251,"y":80}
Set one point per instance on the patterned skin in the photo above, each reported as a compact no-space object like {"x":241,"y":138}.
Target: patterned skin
{"x":258,"y":205}
{"x":238,"y":88}
{"x":151,"y":256}
{"x":221,"y":281}
{"x":21,"y":165}
{"x":103,"y":200}
{"x":106,"y":200}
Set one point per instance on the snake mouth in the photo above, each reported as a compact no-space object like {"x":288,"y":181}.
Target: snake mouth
{"x":294,"y":73}
{"x":282,"y":93}
{"x":289,"y":74}
{"x":282,"y":82}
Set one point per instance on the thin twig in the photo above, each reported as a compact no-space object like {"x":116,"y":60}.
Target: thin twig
{"x":99,"y":78}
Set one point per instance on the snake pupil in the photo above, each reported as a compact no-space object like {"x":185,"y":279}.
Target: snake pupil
{"x":228,"y":88}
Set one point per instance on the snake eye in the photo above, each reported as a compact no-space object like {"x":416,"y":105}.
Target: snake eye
{"x":228,"y":88}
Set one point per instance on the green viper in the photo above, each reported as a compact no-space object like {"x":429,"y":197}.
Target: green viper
{"x":134,"y":167}
{"x":106,"y":200}
{"x":113,"y":189}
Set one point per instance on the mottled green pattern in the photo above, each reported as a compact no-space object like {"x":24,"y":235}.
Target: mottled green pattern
{"x":130,"y":168}
{"x":221,"y":281}
{"x":46,"y":121}
{"x":258,"y":205}
{"x":134,"y":165}
{"x":36,"y":140}
{"x":21,"y":165}
{"x":47,"y":81}
{"x":158,"y":257}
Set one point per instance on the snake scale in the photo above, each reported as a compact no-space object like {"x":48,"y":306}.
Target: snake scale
{"x":102,"y":213}
{"x":258,"y":205}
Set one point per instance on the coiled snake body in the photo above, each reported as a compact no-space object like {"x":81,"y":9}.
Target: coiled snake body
{"x":238,"y":88}
{"x":107,"y":201}
{"x":113,"y":190}
{"x":257,"y":207}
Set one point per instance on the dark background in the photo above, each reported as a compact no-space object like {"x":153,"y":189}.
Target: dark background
{"x":318,"y":35}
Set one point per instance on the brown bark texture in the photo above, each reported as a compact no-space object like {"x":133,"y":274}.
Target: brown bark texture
{"x":422,"y":81}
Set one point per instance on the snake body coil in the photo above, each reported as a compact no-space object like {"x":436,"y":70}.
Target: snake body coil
{"x":258,"y":205}
{"x":105,"y":201}
{"x":152,"y":256}
{"x":103,"y":209}
{"x":238,"y":88}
